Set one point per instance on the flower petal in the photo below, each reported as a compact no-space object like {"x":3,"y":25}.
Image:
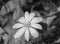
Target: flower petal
{"x":33,"y":32}
{"x":36,"y":20}
{"x":21,"y":20}
{"x":26,"y":16}
{"x":27,"y":35}
{"x":20,"y":32}
{"x":31,"y":16}
{"x":18,"y":25}
{"x":38,"y":26}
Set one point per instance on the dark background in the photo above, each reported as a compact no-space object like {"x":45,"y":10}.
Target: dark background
{"x":39,"y":5}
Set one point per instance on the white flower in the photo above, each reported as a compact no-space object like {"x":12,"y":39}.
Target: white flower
{"x":27,"y":25}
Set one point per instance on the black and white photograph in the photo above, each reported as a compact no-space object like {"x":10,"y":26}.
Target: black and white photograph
{"x":29,"y":21}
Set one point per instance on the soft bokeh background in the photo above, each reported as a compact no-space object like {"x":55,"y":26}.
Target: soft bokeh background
{"x":12,"y":10}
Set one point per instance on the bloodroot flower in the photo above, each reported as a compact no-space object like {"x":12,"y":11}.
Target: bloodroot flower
{"x":28,"y":25}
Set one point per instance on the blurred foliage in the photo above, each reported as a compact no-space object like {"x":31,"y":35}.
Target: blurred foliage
{"x":46,"y":8}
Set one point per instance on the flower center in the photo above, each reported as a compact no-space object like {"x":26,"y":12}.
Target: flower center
{"x":27,"y":24}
